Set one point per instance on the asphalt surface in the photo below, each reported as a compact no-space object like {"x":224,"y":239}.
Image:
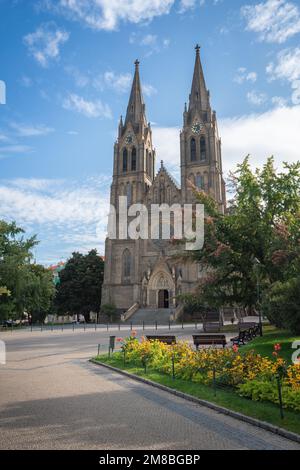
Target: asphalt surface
{"x":51,"y":397}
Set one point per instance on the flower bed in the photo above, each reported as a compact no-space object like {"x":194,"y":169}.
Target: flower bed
{"x":248,"y":374}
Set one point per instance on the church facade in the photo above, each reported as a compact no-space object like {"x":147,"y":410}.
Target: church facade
{"x":143,"y":273}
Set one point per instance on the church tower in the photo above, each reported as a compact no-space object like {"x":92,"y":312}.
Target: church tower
{"x":134,"y":156}
{"x":200,"y":145}
{"x":133,"y":175}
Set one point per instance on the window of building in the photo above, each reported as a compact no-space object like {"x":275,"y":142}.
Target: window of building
{"x":126,"y":265}
{"x":133,"y":159}
{"x":202,"y":149}
{"x":125,"y":160}
{"x":193,"y":150}
{"x":200,"y":181}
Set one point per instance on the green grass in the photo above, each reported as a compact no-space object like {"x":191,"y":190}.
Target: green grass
{"x":265,"y":345}
{"x":263,"y":411}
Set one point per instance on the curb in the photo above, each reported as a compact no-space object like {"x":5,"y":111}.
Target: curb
{"x":220,"y":409}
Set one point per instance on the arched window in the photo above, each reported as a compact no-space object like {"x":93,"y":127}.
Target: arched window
{"x":133,"y":159}
{"x":192,"y":178}
{"x":125,"y":160}
{"x":126,"y":262}
{"x":193,"y":150}
{"x":129,"y":193}
{"x":150,"y":164}
{"x":200,"y":181}
{"x":202,"y":149}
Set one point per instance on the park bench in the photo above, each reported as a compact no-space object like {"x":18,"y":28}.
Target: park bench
{"x":163,"y":339}
{"x":253,"y":328}
{"x":209,"y":340}
{"x":241,"y":338}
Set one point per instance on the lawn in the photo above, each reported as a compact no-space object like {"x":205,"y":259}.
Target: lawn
{"x":265,"y":345}
{"x":264,"y":411}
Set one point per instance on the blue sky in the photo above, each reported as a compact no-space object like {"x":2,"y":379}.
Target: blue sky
{"x":68,"y":67}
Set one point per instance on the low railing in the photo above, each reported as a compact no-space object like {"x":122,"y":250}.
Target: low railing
{"x":131,"y":311}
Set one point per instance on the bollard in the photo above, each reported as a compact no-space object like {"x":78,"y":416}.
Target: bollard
{"x":173,"y":366}
{"x":73,"y":326}
{"x":280,"y":397}
{"x":62,"y":326}
{"x":214,"y":382}
{"x":169,"y":325}
{"x":84,"y":325}
{"x":52,"y":326}
{"x":95,"y":326}
{"x":156,"y":324}
{"x":124,"y":356}
{"x":143,"y":325}
{"x":131,"y":326}
{"x":119,"y":326}
{"x":99,"y":346}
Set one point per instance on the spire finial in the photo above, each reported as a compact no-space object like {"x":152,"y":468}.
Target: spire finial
{"x":197,"y":48}
{"x":137,"y":63}
{"x":161,"y":163}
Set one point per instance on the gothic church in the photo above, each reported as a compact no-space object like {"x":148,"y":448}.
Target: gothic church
{"x":141,"y":273}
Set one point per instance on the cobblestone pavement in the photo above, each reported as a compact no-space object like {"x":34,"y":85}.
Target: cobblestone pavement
{"x":51,"y":397}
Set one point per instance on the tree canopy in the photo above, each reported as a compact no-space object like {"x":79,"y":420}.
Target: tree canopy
{"x":256,"y":241}
{"x":79,"y":289}
{"x":25,"y":286}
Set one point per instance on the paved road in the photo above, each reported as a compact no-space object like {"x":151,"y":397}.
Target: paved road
{"x":51,"y":397}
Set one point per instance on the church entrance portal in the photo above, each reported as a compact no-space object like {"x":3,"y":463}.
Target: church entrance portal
{"x":163,"y":298}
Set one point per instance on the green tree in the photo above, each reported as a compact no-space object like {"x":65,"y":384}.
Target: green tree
{"x":28,"y":287}
{"x":79,"y":289}
{"x":40,"y":292}
{"x":262,"y":223}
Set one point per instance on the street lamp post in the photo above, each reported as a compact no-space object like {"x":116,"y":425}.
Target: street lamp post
{"x":257,"y":263}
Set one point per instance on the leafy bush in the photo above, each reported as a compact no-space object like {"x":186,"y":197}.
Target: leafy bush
{"x":250,"y":374}
{"x":282,"y":305}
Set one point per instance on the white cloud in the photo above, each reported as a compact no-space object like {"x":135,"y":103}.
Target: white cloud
{"x":120,"y":83}
{"x":148,"y":89}
{"x":107,"y":14}
{"x":44,"y":44}
{"x":275,"y":132}
{"x":255,"y":98}
{"x":243,"y":75}
{"x":273,"y":20}
{"x":279,"y":101}
{"x":81,"y":79}
{"x":188,"y":5}
{"x":287,"y":68}
{"x":7,"y":150}
{"x":67,"y":216}
{"x":91,"y":109}
{"x":152,"y":42}
{"x":25,"y":130}
{"x":167,"y":144}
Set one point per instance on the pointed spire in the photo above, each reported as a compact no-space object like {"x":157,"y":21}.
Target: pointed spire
{"x":136,"y":108}
{"x":199,"y":95}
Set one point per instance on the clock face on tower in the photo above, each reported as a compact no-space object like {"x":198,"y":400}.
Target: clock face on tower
{"x":129,"y":138}
{"x":197,"y":127}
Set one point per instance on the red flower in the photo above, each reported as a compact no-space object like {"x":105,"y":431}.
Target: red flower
{"x":235,"y":348}
{"x":133,"y":333}
{"x":275,"y":353}
{"x":277,"y":347}
{"x":119,"y":340}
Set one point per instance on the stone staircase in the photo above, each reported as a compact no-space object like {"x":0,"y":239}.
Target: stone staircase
{"x":150,"y":316}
